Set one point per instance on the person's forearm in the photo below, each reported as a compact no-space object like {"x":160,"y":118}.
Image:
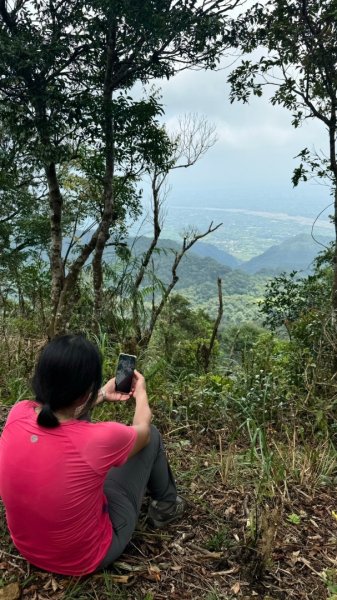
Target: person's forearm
{"x":101,"y":397}
{"x":142,"y":412}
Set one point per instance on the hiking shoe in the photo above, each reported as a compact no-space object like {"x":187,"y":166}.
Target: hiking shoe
{"x":162,"y":513}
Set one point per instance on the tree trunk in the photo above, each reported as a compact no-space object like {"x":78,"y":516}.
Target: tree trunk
{"x":104,"y":232}
{"x":334,"y":283}
{"x":207,"y":350}
{"x":147,"y":256}
{"x":333,"y":165}
{"x":63,"y":286}
{"x":334,"y":286}
{"x":67,"y":298}
{"x":57,"y":272}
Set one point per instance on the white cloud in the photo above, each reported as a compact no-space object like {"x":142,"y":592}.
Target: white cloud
{"x":253,"y":136}
{"x":254,"y":155}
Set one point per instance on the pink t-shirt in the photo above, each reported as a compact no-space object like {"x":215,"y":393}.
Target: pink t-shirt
{"x":51,"y":482}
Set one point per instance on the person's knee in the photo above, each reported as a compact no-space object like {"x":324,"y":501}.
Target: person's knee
{"x":154,"y":431}
{"x":155,"y":436}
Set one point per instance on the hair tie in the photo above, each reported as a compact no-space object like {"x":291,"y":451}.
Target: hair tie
{"x":46,"y":417}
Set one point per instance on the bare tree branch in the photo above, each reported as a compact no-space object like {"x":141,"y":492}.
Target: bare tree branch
{"x":207,"y":350}
{"x":195,"y":136}
{"x":188,"y":242}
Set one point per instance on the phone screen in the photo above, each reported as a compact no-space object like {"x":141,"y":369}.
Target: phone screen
{"x":124,"y":374}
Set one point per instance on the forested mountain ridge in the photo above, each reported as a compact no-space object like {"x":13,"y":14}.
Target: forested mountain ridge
{"x":295,"y":253}
{"x":198,"y":279}
{"x":193,"y":268}
{"x":243,"y":287}
{"x":221,"y":256}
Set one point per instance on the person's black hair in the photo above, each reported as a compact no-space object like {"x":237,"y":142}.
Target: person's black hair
{"x":69,"y":367}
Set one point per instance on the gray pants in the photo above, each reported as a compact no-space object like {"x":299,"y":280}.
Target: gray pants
{"x":125,"y":487}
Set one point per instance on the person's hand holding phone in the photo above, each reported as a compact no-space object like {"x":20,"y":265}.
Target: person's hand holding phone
{"x":138,"y":384}
{"x":110,"y":393}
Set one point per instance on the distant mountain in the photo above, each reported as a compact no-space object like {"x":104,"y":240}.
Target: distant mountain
{"x":205,"y":262}
{"x":210,"y":251}
{"x":193,"y":269}
{"x":295,"y":253}
{"x":201,"y":249}
{"x":198,"y":274}
{"x":198,"y":278}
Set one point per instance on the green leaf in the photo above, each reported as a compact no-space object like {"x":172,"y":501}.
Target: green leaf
{"x":294,"y":519}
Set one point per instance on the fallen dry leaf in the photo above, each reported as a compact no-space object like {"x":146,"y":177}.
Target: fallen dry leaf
{"x":120,"y":578}
{"x":231,"y":510}
{"x":10,"y":592}
{"x":228,"y":572}
{"x":154,"y":573}
{"x":116,"y":578}
{"x":236,"y":588}
{"x":295,"y":557}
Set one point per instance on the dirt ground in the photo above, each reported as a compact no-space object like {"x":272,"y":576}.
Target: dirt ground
{"x":227,"y":546}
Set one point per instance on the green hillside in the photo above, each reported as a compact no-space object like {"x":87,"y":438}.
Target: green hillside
{"x":295,"y":253}
{"x":198,"y":281}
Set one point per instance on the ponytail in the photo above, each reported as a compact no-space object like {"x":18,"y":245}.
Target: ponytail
{"x":46,"y":417}
{"x":68,"y":369}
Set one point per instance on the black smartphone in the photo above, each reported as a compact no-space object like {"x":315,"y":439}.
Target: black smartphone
{"x":124,"y":372}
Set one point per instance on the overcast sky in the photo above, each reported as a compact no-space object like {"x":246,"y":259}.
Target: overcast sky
{"x":252,"y":163}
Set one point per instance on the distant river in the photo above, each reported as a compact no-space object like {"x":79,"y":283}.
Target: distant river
{"x":321,"y":223}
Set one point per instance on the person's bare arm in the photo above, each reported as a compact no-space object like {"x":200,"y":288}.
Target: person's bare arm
{"x":142,"y":416}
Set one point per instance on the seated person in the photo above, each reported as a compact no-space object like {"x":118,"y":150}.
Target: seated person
{"x":73,"y":489}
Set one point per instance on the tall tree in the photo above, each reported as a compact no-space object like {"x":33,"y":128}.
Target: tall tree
{"x":23,"y":227}
{"x":297,"y":40}
{"x":64,"y":68}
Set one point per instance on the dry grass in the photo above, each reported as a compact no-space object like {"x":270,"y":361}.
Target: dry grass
{"x":231,"y":544}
